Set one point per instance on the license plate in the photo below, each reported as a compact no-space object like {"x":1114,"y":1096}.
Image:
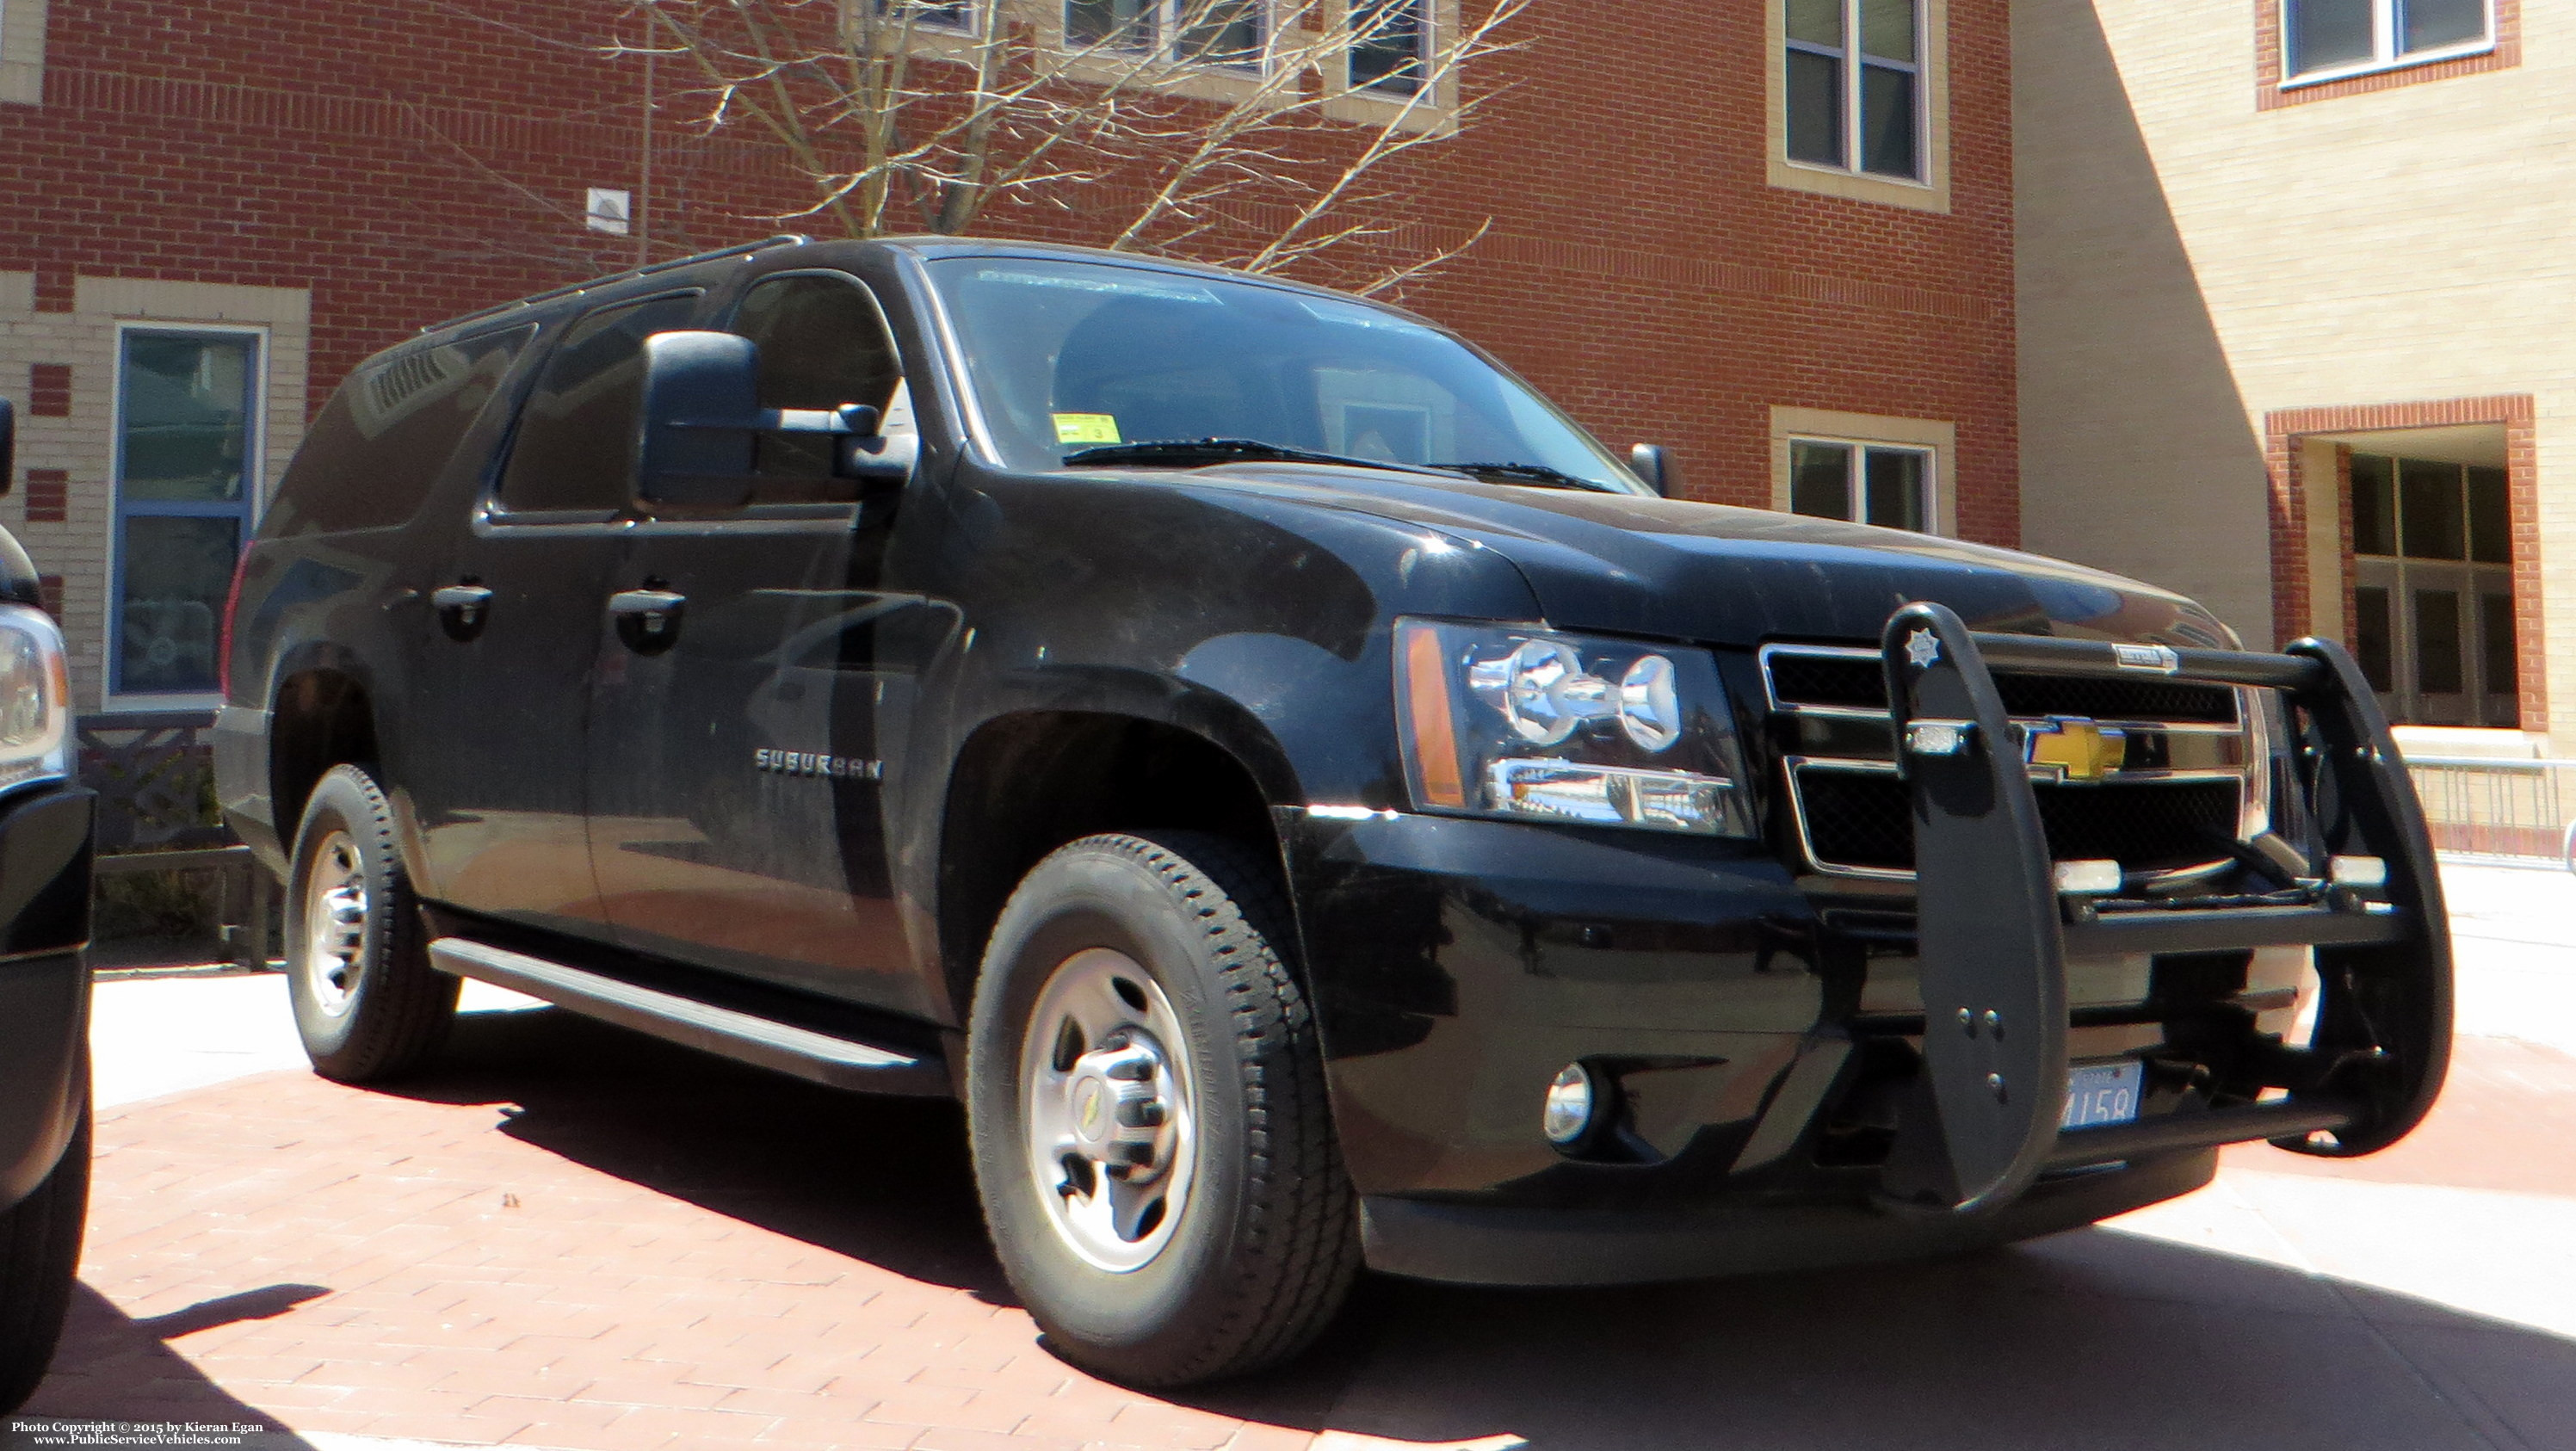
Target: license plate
{"x":2102,"y":1093}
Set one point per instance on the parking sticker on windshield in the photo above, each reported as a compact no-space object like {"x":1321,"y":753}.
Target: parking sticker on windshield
{"x":1087,"y":428}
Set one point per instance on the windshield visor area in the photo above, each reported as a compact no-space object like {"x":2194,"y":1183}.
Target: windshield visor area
{"x":1067,"y":356}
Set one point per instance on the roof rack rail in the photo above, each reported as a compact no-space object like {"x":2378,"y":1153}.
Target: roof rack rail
{"x":783,"y":239}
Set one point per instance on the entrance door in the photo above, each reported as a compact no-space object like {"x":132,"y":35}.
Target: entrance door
{"x":736,"y":752}
{"x":506,"y":651}
{"x":2433,"y":591}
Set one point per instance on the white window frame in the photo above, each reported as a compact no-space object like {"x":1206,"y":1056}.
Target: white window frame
{"x":1848,"y":62}
{"x":254,"y":484}
{"x":1167,"y":17}
{"x":1427,"y":16}
{"x":2384,"y":53}
{"x":964,"y":24}
{"x":1929,"y":509}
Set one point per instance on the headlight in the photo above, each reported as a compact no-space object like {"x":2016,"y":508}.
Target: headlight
{"x":1526,"y":722}
{"x":35,"y":699}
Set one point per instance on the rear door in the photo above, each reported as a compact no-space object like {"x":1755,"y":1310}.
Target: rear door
{"x":738,"y":745}
{"x":511,"y":637}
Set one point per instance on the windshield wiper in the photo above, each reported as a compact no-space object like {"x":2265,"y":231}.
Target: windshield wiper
{"x":1190,"y":453}
{"x":1538,"y":474}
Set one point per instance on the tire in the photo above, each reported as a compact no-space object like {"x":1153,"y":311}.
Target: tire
{"x":367,"y":1003}
{"x":1109,"y":947}
{"x":40,"y":1245}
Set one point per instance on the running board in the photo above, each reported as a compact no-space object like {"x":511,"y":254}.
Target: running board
{"x":816,"y":1057}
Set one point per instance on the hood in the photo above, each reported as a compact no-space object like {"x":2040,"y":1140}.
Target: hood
{"x":1732,"y":576}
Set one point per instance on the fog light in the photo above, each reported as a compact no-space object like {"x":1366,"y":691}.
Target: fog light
{"x":2358,"y":871}
{"x":1569,"y":1105}
{"x":2091,"y":879}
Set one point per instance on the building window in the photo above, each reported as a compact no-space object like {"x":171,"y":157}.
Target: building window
{"x":929,"y":14}
{"x":1854,"y":92}
{"x":187,"y":471}
{"x":1866,"y":483}
{"x":1184,"y":32}
{"x":2433,"y":626}
{"x":2330,"y":38}
{"x":1390,"y":44}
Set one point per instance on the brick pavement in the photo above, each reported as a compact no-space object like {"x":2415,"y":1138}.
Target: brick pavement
{"x":573,"y":1237}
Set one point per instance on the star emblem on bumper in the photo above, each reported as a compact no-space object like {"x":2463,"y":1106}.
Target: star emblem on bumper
{"x":1922,"y":649}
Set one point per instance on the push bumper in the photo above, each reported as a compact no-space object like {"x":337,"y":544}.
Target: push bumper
{"x":45,"y":850}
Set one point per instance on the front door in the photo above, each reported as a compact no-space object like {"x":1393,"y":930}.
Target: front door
{"x":737,"y":755}
{"x":2433,"y":625}
{"x":509,"y":634}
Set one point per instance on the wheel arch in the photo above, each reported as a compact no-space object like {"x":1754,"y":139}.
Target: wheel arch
{"x":322,"y":714}
{"x":1027,"y":781}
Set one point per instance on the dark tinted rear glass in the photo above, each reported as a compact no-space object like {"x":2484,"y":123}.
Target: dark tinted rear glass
{"x":575,"y":448}
{"x":370,"y":460}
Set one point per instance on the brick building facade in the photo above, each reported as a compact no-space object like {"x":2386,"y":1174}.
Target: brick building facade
{"x":225,"y":207}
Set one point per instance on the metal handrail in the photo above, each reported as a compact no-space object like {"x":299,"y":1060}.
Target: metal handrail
{"x":2554,"y":817}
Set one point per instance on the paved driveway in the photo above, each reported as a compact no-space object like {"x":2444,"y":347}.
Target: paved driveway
{"x":578,"y":1238}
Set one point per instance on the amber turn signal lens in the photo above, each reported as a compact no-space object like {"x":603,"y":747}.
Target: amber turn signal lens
{"x":1435,"y":730}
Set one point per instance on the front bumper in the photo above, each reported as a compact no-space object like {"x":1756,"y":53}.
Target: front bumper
{"x":1775,"y":1105}
{"x":45,"y":852}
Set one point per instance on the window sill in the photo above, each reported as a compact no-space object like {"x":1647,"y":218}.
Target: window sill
{"x":1920,"y":196}
{"x":2378,"y":68}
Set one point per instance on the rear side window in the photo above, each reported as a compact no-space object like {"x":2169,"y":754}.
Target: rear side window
{"x":372,"y":457}
{"x":575,"y":448}
{"x":822,"y":344}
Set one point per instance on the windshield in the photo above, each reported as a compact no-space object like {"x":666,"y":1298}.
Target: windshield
{"x":1069,"y":356}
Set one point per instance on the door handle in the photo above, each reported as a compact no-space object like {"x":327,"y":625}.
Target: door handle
{"x":461,"y":608}
{"x":647,"y":619}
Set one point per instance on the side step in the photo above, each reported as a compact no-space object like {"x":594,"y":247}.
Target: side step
{"x":817,"y":1057}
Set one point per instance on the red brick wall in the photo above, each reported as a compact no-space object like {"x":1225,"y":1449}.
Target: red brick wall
{"x":392,"y":157}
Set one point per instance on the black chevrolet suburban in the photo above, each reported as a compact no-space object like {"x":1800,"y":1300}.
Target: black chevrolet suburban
{"x":45,"y":854}
{"x":1313,"y":804}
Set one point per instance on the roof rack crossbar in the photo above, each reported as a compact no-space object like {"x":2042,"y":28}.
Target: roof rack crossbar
{"x":783,"y":239}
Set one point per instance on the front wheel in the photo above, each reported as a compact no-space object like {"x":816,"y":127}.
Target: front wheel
{"x":40,"y":1245}
{"x":1152,"y":1140}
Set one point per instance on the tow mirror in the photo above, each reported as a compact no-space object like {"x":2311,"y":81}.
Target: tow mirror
{"x":702,"y":408}
{"x":8,"y":445}
{"x":1654,"y":463}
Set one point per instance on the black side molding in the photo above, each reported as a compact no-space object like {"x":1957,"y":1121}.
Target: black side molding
{"x":817,"y":1057}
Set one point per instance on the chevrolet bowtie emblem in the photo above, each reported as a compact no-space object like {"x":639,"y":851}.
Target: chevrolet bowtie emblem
{"x":2079,"y":749}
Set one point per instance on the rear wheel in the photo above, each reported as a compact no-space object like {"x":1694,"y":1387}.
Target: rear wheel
{"x":40,"y":1245}
{"x":1152,"y":1140}
{"x":367,"y":1003}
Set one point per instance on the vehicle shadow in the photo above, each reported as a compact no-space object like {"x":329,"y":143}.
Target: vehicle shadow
{"x":110,"y":1366}
{"x":2101,"y":1338}
{"x":881,"y":1179}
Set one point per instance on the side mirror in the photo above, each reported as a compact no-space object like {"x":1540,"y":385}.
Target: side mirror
{"x":702,"y":406}
{"x":1654,"y":463}
{"x":8,"y":445}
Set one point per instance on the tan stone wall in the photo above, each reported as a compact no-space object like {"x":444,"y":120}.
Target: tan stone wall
{"x":2188,"y":262}
{"x":77,"y":547}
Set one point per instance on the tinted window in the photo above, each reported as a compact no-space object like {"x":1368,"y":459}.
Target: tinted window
{"x":822,"y":344}
{"x":575,"y":447}
{"x":372,"y":457}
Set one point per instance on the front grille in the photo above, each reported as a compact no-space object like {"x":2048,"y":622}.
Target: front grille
{"x":1853,"y":680}
{"x":1863,"y":821}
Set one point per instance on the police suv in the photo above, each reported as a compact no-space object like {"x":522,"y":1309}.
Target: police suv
{"x":1315,"y":805}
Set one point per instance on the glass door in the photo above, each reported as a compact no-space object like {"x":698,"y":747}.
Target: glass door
{"x":2433,"y":591}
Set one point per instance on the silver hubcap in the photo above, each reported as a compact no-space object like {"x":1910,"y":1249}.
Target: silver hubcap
{"x":335,"y":923}
{"x":1110,"y":1114}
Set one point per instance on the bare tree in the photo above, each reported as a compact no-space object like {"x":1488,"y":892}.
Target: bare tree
{"x":1255,"y":133}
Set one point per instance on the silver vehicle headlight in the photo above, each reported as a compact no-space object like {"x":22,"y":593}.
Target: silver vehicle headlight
{"x":35,"y":699}
{"x":1536,"y":724}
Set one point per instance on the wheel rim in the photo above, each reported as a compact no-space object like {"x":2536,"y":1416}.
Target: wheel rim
{"x":1109,"y":1110}
{"x":335,"y":923}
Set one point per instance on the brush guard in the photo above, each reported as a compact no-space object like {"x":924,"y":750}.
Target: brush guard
{"x":1994,"y":930}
